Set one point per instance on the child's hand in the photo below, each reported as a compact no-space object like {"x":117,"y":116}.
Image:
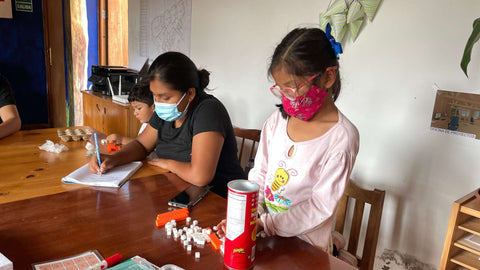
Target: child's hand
{"x":222,"y":228}
{"x":115,"y":138}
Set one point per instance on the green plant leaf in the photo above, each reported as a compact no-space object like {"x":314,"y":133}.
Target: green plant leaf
{"x":467,"y":53}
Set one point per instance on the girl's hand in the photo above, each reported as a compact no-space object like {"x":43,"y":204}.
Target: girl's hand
{"x":222,"y":228}
{"x":105,"y":166}
{"x":115,"y":138}
{"x":159,"y":162}
{"x":259,"y":225}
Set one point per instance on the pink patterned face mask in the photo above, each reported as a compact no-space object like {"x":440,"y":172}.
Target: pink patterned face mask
{"x":304,"y":107}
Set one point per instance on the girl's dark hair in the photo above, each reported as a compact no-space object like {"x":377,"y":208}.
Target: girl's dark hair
{"x":179,"y":72}
{"x":141,"y":93}
{"x":306,"y":52}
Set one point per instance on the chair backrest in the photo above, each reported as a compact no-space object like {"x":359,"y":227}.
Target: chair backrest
{"x":362,"y":196}
{"x":247,"y":134}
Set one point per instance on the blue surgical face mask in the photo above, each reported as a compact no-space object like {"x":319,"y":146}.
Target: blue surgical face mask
{"x":169,"y":111}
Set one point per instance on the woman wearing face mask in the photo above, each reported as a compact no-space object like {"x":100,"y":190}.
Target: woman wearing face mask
{"x":190,"y":130}
{"x":308,"y":147}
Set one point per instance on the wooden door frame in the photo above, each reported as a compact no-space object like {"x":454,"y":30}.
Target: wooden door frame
{"x":58,"y":46}
{"x":55,"y":62}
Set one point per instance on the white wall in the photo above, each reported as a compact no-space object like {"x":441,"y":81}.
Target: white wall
{"x":387,"y":77}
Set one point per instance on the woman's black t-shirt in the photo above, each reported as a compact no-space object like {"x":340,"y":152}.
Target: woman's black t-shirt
{"x":209,"y":114}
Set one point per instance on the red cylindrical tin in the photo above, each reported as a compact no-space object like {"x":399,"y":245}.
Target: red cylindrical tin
{"x":241,"y":231}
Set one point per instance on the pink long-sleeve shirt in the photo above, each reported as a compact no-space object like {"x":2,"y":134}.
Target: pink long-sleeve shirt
{"x":299,"y":194}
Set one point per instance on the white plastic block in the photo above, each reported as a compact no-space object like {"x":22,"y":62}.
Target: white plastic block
{"x":197,"y":255}
{"x":5,"y":264}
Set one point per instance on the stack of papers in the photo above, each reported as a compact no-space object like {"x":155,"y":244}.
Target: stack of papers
{"x":116,"y":177}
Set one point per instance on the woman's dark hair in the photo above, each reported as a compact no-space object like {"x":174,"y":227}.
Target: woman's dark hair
{"x":306,"y":52}
{"x":179,"y":72}
{"x":141,"y":93}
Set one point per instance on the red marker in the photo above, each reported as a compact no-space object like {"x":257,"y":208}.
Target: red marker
{"x":110,"y":261}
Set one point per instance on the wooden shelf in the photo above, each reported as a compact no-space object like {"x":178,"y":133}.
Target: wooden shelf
{"x":459,"y":253}
{"x":467,"y":260}
{"x":471,"y":226}
{"x":467,"y":246}
{"x":471,"y":207}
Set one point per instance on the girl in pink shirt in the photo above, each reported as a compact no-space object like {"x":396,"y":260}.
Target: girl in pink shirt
{"x":308,"y":147}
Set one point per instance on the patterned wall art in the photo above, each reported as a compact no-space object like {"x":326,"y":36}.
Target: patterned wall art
{"x":344,"y":17}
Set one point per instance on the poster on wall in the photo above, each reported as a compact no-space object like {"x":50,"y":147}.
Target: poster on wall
{"x":6,"y":9}
{"x":164,"y":25}
{"x":456,"y":113}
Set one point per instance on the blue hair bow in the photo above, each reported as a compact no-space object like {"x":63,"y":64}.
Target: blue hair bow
{"x":337,"y":46}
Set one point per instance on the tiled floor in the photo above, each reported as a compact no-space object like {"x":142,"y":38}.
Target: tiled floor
{"x":394,"y":260}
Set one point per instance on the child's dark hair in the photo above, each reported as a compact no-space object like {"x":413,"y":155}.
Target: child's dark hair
{"x":306,"y":52}
{"x":179,"y":72}
{"x":141,"y":93}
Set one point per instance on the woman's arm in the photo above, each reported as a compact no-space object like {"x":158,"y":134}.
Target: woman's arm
{"x":11,"y":120}
{"x":138,"y":149}
{"x":206,"y":149}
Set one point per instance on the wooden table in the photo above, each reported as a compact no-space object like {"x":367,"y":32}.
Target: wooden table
{"x":122,"y":221}
{"x":26,"y":171}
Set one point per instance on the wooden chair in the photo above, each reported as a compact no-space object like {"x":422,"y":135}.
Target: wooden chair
{"x":362,"y":196}
{"x":247,"y":134}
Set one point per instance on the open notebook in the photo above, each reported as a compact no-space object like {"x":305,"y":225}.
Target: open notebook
{"x":116,"y":177}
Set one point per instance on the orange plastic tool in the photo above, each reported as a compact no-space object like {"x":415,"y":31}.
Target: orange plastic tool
{"x":112,"y":147}
{"x":214,"y":241}
{"x":177,"y":215}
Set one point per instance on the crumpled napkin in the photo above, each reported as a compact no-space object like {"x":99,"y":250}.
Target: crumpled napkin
{"x":49,"y":146}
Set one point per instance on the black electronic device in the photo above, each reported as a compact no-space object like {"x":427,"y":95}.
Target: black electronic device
{"x":188,"y":197}
{"x":116,"y":80}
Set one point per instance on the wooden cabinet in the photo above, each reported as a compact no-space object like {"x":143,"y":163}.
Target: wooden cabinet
{"x":107,"y":116}
{"x":459,"y":253}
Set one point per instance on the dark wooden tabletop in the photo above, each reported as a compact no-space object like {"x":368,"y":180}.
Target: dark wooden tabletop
{"x":123,"y":221}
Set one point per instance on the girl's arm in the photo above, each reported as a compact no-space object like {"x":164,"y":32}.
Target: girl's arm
{"x":312,"y":213}
{"x":206,"y":149}
{"x":138,"y":149}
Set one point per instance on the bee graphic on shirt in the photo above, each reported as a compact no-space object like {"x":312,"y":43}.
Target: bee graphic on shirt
{"x":282,"y":176}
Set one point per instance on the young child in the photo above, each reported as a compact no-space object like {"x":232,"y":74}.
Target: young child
{"x":308,"y":147}
{"x":141,"y":100}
